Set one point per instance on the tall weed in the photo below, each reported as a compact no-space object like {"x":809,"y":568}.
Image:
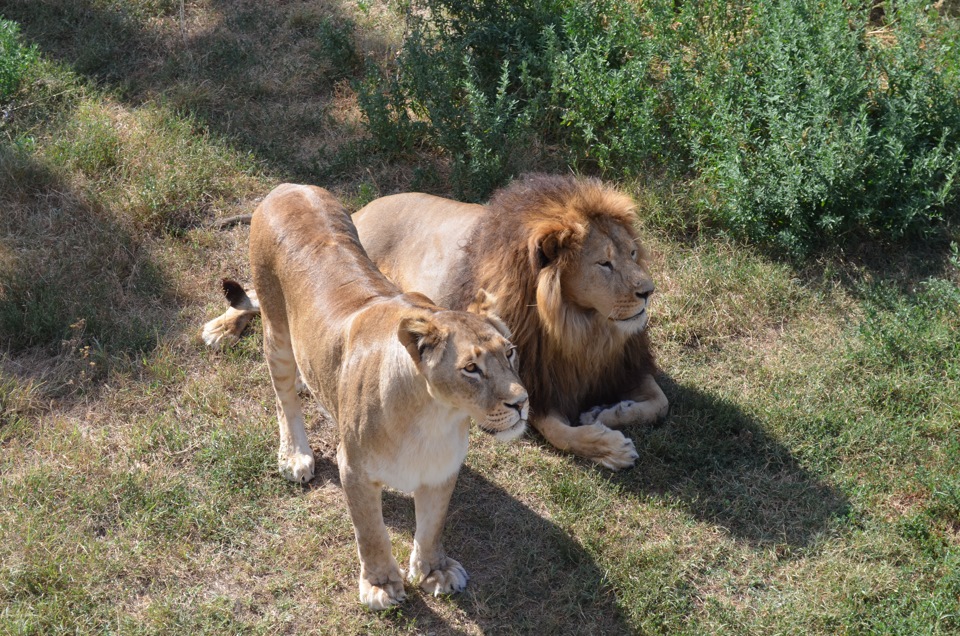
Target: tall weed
{"x":15,"y":59}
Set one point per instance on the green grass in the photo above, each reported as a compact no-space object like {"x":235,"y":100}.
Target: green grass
{"x":807,"y":480}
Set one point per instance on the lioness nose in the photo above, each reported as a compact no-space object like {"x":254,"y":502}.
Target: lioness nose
{"x":645,"y":294}
{"x":518,"y":404}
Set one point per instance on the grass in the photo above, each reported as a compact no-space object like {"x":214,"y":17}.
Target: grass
{"x":807,"y":481}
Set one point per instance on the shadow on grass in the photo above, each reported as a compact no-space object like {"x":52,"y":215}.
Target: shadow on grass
{"x":718,"y":463}
{"x":864,"y":266}
{"x":527,"y":575}
{"x":262,"y":75}
{"x":77,"y":289}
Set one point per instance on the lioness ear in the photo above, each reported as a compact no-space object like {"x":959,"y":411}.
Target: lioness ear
{"x":417,"y":334}
{"x":483,"y":305}
{"x":548,"y":240}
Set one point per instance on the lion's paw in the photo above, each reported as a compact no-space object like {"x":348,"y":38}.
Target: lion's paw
{"x":448,"y":578}
{"x":625,"y":413}
{"x":611,"y":449}
{"x":216,"y":334}
{"x":384,"y":594}
{"x":590,"y":417}
{"x":297,"y":467}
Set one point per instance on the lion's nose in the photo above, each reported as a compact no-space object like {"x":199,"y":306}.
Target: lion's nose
{"x":644,"y":294}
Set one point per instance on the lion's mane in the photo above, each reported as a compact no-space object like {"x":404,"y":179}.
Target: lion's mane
{"x":570,"y":359}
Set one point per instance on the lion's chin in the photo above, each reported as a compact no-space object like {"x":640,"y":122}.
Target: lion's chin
{"x":633,"y":324}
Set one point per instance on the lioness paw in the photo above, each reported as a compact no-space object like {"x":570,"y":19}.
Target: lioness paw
{"x":381,"y":596}
{"x":611,"y":449}
{"x":448,"y":578}
{"x":297,"y":467}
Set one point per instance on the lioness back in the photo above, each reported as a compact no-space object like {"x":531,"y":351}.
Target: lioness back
{"x":562,"y":258}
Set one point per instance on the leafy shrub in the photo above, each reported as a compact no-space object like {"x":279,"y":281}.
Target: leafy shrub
{"x":15,"y":59}
{"x":810,"y":128}
{"x":470,"y":83}
{"x":800,"y":121}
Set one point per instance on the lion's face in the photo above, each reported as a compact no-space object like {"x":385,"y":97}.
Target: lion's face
{"x":468,"y":362}
{"x":607,"y":276}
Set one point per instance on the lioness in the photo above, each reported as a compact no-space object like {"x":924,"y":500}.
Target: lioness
{"x":400,"y":376}
{"x":560,"y":255}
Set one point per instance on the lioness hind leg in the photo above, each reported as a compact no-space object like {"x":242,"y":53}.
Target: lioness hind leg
{"x":381,"y":581}
{"x":609,"y":448}
{"x":295,"y":456}
{"x":434,"y":571}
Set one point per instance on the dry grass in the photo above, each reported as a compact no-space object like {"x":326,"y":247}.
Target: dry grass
{"x":806,"y":482}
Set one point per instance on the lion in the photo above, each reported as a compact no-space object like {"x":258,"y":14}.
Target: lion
{"x":401,"y":377}
{"x":560,"y":255}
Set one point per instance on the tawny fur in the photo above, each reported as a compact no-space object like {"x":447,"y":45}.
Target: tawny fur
{"x":532,"y":246}
{"x":529,"y":246}
{"x":401,"y":377}
{"x":574,"y":360}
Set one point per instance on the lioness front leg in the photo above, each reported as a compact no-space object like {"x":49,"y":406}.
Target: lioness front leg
{"x":381,"y":581}
{"x":430,"y":567}
{"x":295,"y":457}
{"x":645,"y":405}
{"x":609,"y":448}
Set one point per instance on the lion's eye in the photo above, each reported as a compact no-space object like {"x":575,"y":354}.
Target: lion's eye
{"x":607,"y":265}
{"x":633,"y":254}
{"x":512,"y":357}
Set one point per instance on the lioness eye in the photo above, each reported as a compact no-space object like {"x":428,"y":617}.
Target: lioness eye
{"x":633,"y":254}
{"x":472,"y":368}
{"x":606,"y":265}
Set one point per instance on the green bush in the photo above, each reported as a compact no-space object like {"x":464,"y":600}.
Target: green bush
{"x":809,"y":128}
{"x":471,"y":83}
{"x":800,"y":121}
{"x":15,"y":59}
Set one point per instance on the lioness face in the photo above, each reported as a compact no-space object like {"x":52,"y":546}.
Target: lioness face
{"x":468,"y":362}
{"x":609,"y":277}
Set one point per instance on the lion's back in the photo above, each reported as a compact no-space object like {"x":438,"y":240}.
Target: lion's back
{"x":449,"y":250}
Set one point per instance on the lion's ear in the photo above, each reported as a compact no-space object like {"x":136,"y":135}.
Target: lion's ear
{"x":548,"y":240}
{"x":417,"y":334}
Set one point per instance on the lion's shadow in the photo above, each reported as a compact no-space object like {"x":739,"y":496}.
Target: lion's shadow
{"x":720,"y":465}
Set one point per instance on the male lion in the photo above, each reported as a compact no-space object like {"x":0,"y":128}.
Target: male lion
{"x":561,"y":256}
{"x":401,"y":377}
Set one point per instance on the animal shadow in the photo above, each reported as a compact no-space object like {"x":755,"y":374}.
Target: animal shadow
{"x":527,"y":575}
{"x":720,"y":464}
